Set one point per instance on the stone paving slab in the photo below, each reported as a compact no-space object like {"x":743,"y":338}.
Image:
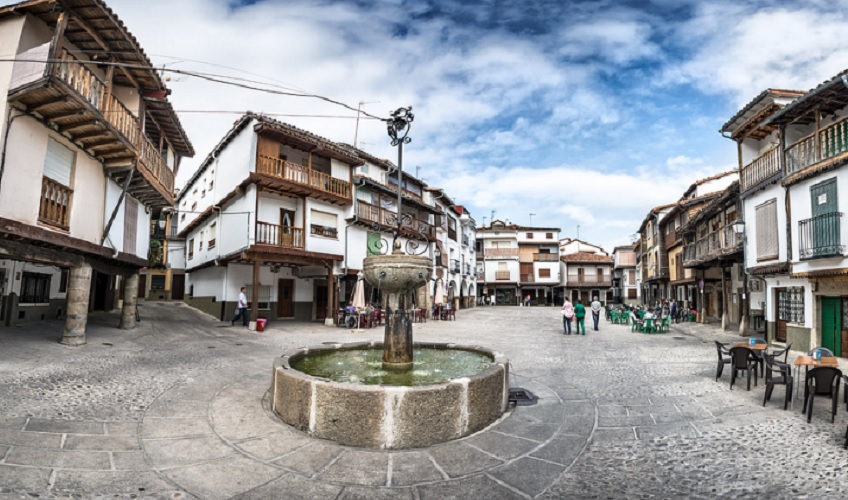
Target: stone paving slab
{"x":190,"y":418}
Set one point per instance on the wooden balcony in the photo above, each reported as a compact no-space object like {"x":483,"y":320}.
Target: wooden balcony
{"x":502,"y":275}
{"x":545,"y":257}
{"x":55,"y":206}
{"x":528,"y":278}
{"x":580,"y":280}
{"x":500,"y":253}
{"x":764,"y":167}
{"x":290,"y":178}
{"x":826,"y":145}
{"x":715,"y":245}
{"x":387,"y":219}
{"x":279,"y":236}
{"x":76,"y":102}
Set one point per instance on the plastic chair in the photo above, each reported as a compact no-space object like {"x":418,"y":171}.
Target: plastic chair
{"x":821,"y":381}
{"x":784,"y":372}
{"x":825,"y":352}
{"x":449,"y":313}
{"x":665,"y":324}
{"x":614,"y":318}
{"x":637,"y":326}
{"x":782,"y":352}
{"x":624,"y":318}
{"x":722,"y":352}
{"x":650,"y":326}
{"x":742,"y":359}
{"x":760,"y":355}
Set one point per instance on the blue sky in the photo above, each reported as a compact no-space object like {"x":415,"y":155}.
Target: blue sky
{"x":583,"y":113}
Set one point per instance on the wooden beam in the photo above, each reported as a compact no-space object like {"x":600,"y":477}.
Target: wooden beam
{"x":58,"y":36}
{"x":23,"y":251}
{"x":71,"y":126}
{"x":94,"y":36}
{"x":64,"y":114}
{"x":89,"y":135}
{"x":44,"y":104}
{"x":102,"y":142}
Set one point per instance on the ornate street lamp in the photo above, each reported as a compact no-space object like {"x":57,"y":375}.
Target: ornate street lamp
{"x":398,"y":128}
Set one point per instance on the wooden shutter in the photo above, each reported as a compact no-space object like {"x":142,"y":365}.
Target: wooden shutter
{"x":58,"y":162}
{"x":767,"y":240}
{"x":130,"y":225}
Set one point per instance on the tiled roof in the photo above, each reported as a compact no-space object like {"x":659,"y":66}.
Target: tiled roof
{"x":758,"y":100}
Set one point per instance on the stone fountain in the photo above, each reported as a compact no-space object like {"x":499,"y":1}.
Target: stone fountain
{"x":344,"y":393}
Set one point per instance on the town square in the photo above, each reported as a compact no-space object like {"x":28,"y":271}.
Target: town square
{"x":415,"y":250}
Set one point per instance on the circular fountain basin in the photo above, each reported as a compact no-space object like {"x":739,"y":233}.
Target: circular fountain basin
{"x":421,"y":412}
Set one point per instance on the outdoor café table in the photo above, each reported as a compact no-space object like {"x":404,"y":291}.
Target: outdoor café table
{"x":808,"y":361}
{"x":755,"y":347}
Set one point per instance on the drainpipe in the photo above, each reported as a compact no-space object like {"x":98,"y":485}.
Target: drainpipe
{"x":9,"y":120}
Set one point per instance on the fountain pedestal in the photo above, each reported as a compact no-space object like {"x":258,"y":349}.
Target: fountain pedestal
{"x":397,"y":275}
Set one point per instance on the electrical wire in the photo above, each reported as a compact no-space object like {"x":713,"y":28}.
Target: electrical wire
{"x":212,"y":77}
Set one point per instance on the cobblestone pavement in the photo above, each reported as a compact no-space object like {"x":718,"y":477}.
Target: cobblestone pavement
{"x":178,"y":409}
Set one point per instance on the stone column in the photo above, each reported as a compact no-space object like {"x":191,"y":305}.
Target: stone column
{"x":130,"y":302}
{"x":79,"y":290}
{"x":397,"y":348}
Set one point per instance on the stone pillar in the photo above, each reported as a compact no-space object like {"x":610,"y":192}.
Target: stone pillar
{"x":130,"y":302}
{"x":79,"y":290}
{"x":331,"y":296}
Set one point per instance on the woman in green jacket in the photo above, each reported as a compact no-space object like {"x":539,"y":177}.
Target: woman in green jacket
{"x":579,"y":315}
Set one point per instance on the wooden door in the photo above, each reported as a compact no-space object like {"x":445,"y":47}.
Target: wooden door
{"x":177,"y":286}
{"x":526,"y":271}
{"x":831,"y":324}
{"x":286,"y":223}
{"x":320,"y":302}
{"x":285,"y":287}
{"x":142,"y":287}
{"x":826,"y":230}
{"x":781,"y":298}
{"x":844,"y":332}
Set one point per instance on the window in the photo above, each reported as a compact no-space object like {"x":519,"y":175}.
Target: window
{"x":529,"y":236}
{"x":264,"y":302}
{"x":157,"y":282}
{"x":191,"y":248}
{"x":35,"y":288}
{"x":767,"y":241}
{"x":790,"y":305}
{"x":130,"y":225}
{"x":323,"y":224}
{"x":212,"y":230}
{"x":452,"y":228}
{"x":63,"y":281}
{"x":55,"y":204}
{"x":549,"y":236}
{"x":544,"y":273}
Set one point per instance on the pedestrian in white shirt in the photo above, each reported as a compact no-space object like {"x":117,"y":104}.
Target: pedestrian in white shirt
{"x":241,"y":309}
{"x":596,"y":312}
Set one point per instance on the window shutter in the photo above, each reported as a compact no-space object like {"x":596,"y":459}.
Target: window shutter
{"x":323,"y":219}
{"x":130,"y":224}
{"x":58,"y":162}
{"x":767,"y":240}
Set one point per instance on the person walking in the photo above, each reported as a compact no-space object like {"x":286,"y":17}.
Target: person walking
{"x":241,"y":309}
{"x":579,"y":318}
{"x":674,"y":311}
{"x":567,"y":316}
{"x":596,"y":312}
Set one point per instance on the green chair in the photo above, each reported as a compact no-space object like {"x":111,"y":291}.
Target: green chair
{"x":665,"y":325}
{"x":637,"y":327}
{"x":650,"y":326}
{"x":614,"y":317}
{"x":625,"y":318}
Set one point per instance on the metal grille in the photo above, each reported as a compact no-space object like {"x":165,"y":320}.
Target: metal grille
{"x":790,"y":305}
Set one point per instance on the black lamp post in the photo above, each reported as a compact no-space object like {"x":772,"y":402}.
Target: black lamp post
{"x":398,"y":128}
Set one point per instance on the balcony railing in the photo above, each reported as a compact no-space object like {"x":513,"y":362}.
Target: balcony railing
{"x":545,"y":257}
{"x":465,"y":240}
{"x":302,"y":176}
{"x":280,"y":236}
{"x":466,"y":269}
{"x":588,"y":280}
{"x":55,"y":206}
{"x":368,"y":212}
{"x":502,"y":275}
{"x":454,"y":266}
{"x":821,"y":236}
{"x":716,"y":244}
{"x":670,"y":239}
{"x":500,"y":253}
{"x":528,"y":278}
{"x":825,"y":144}
{"x":760,"y":169}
